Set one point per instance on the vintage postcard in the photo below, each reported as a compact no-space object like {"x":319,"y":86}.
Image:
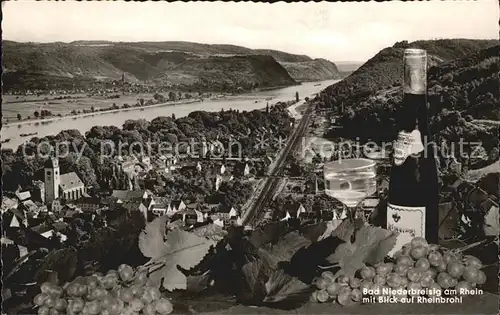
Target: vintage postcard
{"x":250,"y":158}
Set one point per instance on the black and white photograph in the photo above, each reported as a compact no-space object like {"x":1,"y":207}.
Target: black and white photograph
{"x":223,"y":158}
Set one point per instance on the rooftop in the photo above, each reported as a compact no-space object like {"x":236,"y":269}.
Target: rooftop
{"x":70,"y":181}
{"x":127,"y":194}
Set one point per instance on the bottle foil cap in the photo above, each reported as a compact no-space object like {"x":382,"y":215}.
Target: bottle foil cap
{"x":415,"y":71}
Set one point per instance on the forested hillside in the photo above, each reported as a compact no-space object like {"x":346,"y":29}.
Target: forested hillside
{"x":385,"y":69}
{"x":180,"y":64}
{"x":459,"y":92}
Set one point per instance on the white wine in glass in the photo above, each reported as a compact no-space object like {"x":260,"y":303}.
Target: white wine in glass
{"x":350,"y":181}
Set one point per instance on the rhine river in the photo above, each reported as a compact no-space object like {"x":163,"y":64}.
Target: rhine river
{"x":248,"y":101}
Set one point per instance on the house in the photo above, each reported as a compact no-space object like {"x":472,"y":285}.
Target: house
{"x":300,"y":211}
{"x":71,"y":187}
{"x":237,"y":221}
{"x":49,"y":232}
{"x":220,"y":179}
{"x":177,"y":205}
{"x":68,"y":186}
{"x":56,"y":206}
{"x":220,"y":216}
{"x":39,"y":191}
{"x":29,"y":207}
{"x":232,"y":212}
{"x":120,"y":196}
{"x":88,"y":204}
{"x":158,"y":206}
{"x":166,"y":162}
{"x":23,"y":196}
{"x":8,"y":203}
{"x":15,"y":218}
{"x":286,"y":217}
{"x":242,"y":169}
{"x":220,"y":169}
{"x":218,"y":222}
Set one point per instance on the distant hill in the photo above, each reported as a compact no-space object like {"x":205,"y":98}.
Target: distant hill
{"x":313,"y":70}
{"x":283,"y":56}
{"x":459,"y":92}
{"x":347,"y":67}
{"x":385,"y":69}
{"x":181,"y":64}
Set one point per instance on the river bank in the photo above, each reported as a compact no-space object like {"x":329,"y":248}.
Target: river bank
{"x":242,"y":102}
{"x":49,"y":119}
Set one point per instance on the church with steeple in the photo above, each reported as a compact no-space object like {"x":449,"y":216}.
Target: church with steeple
{"x":56,"y":185}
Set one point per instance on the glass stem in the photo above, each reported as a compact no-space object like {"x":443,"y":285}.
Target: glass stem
{"x":351,"y":213}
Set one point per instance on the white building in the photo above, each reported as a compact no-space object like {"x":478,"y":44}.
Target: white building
{"x":52,"y":179}
{"x":68,"y":186}
{"x":71,"y":187}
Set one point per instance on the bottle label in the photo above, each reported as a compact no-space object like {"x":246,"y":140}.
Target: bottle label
{"x":407,"y":143}
{"x":409,"y":222}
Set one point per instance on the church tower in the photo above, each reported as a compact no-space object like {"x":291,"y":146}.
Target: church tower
{"x":52,"y":179}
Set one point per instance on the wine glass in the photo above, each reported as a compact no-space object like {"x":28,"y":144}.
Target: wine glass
{"x":350,"y":181}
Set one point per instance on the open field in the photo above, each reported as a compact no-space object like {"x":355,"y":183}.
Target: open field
{"x":27,"y":105}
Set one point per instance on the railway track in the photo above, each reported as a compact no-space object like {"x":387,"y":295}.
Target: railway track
{"x":272,"y":181}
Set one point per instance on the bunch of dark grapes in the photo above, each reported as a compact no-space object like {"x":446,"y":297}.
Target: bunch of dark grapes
{"x":419,"y":267}
{"x":119,"y":292}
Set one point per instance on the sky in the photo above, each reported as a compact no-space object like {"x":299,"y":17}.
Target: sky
{"x":335,"y":31}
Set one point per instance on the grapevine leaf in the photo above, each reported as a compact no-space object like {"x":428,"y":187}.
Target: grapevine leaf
{"x":197,"y":283}
{"x":330,"y":227}
{"x":284,"y":250}
{"x":210,"y":231}
{"x":314,"y":231}
{"x":382,"y":249}
{"x":255,"y":275}
{"x":284,"y":288}
{"x":151,"y":239}
{"x":347,"y":257}
{"x":6,"y":293}
{"x":181,"y":249}
{"x":269,"y":233}
{"x":58,"y":265}
{"x":491,"y":225}
{"x":304,"y":264}
{"x":347,"y":228}
{"x":371,"y":245}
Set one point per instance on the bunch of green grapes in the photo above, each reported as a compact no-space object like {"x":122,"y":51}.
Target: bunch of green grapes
{"x":119,"y":292}
{"x":418,"y":267}
{"x":343,"y":290}
{"x":431,"y":266}
{"x":427,"y":269}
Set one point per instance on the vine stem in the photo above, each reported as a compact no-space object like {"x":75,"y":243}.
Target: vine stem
{"x":467,"y":247}
{"x":329,"y":266}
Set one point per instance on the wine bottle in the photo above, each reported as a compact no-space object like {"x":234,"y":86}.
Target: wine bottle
{"x":412,"y":205}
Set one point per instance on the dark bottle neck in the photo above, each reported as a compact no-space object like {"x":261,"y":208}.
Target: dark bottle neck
{"x":414,"y":114}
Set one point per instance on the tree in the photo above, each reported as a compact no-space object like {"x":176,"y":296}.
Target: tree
{"x":173,"y":116}
{"x":172,"y":96}
{"x":19,"y":117}
{"x":36,"y":114}
{"x":92,"y":109}
{"x":297,"y":96}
